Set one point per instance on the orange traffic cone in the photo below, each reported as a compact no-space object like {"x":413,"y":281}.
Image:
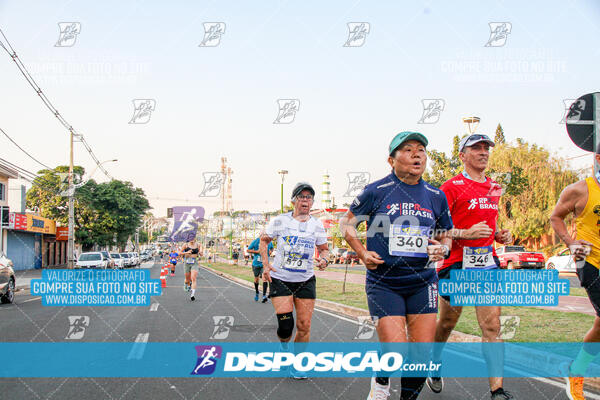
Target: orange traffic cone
{"x":163,"y":278}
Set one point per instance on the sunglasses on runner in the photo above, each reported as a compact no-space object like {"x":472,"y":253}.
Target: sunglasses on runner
{"x":473,"y":139}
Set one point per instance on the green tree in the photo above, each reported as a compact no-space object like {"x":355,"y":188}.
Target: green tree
{"x":101,"y":210}
{"x":532,"y":180}
{"x":499,"y":137}
{"x":441,"y":167}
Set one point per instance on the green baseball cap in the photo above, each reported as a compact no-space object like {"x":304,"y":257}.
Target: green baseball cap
{"x":404,"y":136}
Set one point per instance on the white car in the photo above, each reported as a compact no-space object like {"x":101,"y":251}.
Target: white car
{"x":135,"y":257}
{"x":119,"y":261}
{"x":93,"y":259}
{"x":127,"y":259}
{"x":562,"y":262}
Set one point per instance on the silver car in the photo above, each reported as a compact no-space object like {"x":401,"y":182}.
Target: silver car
{"x":7,"y":280}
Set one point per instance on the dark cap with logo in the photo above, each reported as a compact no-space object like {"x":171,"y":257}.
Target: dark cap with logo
{"x":300,"y":186}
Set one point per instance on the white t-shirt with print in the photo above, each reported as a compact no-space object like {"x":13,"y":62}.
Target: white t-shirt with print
{"x":296,"y":243}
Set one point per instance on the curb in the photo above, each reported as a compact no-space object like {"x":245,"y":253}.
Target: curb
{"x":354,"y":312}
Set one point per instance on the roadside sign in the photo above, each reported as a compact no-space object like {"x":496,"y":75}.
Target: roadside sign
{"x":583,"y":124}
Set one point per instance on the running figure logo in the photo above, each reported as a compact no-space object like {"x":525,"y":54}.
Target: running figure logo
{"x":207,"y":359}
{"x":473,"y":204}
{"x":366,"y":328}
{"x":498,"y":34}
{"x":432,"y":109}
{"x":287,"y":111}
{"x":185,"y":223}
{"x":142,"y":110}
{"x":64,"y":183}
{"x":356,"y":183}
{"x":223,"y":325}
{"x":392,"y":208}
{"x":77,"y":325}
{"x":68,"y":34}
{"x":572,"y":113}
{"x":508,"y":326}
{"x":212,"y":34}
{"x":357,"y":33}
{"x":213,"y":182}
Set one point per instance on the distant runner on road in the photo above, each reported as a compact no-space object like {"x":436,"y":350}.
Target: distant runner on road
{"x":190,"y":253}
{"x":582,"y":199}
{"x":173,"y":256}
{"x":292,"y":276}
{"x":257,"y":267}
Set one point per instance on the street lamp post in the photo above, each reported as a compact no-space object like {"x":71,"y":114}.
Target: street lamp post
{"x":283,"y":172}
{"x":71,"y":193}
{"x":231,"y":234}
{"x":471,"y":124}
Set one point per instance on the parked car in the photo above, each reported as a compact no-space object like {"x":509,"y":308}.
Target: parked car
{"x":7,"y":280}
{"x":93,"y":259}
{"x":512,"y":257}
{"x":562,"y":262}
{"x":146,"y":255}
{"x":118,"y":260}
{"x":337,"y":255}
{"x":127,"y":259}
{"x":111,"y":261}
{"x":136,"y":259}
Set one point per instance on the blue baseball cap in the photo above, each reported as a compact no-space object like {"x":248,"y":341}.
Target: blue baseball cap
{"x":404,"y":136}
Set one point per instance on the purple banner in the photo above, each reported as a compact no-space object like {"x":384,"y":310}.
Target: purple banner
{"x":185,"y":223}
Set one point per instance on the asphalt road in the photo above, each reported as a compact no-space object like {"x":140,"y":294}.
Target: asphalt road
{"x":176,"y":319}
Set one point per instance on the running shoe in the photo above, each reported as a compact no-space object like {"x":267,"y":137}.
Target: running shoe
{"x":574,"y":386}
{"x":192,"y":298}
{"x":378,"y":392}
{"x":436,"y":384}
{"x":298,"y":375}
{"x":172,"y":274}
{"x":265,"y":299}
{"x":256,"y":297}
{"x":500,"y":394}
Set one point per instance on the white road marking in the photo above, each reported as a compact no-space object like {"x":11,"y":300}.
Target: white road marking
{"x":34,"y":299}
{"x":544,"y":380}
{"x":137,"y":351}
{"x":154,"y":307}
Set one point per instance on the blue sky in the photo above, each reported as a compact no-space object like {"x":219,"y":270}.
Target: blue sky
{"x":222,"y":101}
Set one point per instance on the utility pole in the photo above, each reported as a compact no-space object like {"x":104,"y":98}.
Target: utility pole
{"x":71,"y":238}
{"x":283,"y":172}
{"x":137,"y":239}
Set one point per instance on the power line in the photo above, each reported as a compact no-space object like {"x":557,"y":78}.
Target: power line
{"x":20,"y":148}
{"x":13,"y":54}
{"x":21,"y":170}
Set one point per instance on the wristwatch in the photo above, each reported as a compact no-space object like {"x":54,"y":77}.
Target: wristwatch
{"x":446,"y":252}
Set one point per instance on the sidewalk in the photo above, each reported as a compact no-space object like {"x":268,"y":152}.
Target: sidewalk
{"x":23,"y":277}
{"x":575,"y":304}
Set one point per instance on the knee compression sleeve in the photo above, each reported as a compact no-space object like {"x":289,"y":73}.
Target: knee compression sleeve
{"x":285,"y":325}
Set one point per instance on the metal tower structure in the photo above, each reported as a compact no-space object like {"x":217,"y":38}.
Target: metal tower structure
{"x":326,"y":192}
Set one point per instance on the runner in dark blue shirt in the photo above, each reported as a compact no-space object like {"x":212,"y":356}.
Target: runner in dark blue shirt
{"x":407,"y":223}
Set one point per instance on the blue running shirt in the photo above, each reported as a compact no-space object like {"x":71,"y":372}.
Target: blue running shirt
{"x":402,"y":217}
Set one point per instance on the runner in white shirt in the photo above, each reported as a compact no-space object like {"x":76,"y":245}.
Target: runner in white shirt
{"x":292,"y":277}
